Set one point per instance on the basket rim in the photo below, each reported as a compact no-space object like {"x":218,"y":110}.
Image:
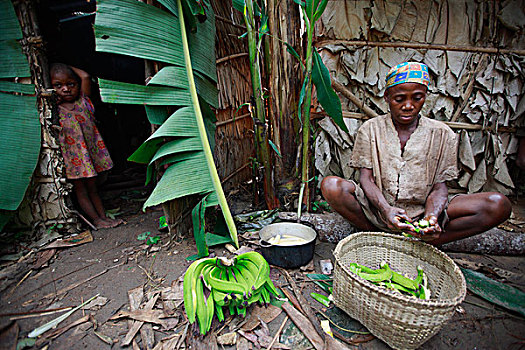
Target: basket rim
{"x":399,"y":297}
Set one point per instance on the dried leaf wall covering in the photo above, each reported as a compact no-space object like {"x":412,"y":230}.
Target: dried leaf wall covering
{"x":479,"y":93}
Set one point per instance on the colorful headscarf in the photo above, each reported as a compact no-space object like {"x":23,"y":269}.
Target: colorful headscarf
{"x":408,"y":72}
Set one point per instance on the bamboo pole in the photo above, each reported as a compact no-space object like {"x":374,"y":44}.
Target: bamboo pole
{"x":261,"y":126}
{"x":410,"y":45}
{"x":452,"y":125}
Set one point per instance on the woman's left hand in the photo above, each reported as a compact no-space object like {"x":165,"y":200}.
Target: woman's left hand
{"x":432,"y":231}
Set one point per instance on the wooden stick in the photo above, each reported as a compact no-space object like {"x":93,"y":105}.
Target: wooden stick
{"x":452,"y":125}
{"x":226,"y":20}
{"x":84,"y":219}
{"x":233,"y":120}
{"x":75,"y":285}
{"x":38,"y":314}
{"x":355,"y":100}
{"x":304,"y":325}
{"x":231,"y":57}
{"x":278,"y":332}
{"x":20,"y":282}
{"x":235,"y":172}
{"x":409,"y":45}
{"x":470,"y":87}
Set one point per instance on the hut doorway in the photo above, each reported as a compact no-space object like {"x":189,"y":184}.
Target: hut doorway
{"x":67,"y":30}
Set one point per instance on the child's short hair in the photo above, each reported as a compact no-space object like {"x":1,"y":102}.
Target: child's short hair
{"x":63,"y":68}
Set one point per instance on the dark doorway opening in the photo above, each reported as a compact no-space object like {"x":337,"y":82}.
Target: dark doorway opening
{"x":67,"y":30}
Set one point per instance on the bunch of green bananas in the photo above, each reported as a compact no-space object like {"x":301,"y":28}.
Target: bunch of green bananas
{"x":386,"y":277}
{"x":230,"y":283}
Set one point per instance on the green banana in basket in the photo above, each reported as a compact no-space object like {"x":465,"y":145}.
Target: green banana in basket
{"x":386,"y":277}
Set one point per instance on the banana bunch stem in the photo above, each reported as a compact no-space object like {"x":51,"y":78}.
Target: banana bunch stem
{"x":213,"y":285}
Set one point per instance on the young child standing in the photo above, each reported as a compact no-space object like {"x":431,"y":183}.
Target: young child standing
{"x":85,"y":154}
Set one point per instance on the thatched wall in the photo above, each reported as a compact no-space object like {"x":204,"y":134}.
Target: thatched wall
{"x":474,"y":51}
{"x":234,"y":135}
{"x":281,"y":79}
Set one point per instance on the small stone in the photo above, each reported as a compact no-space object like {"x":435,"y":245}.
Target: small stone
{"x":326,"y":266}
{"x":227,"y":339}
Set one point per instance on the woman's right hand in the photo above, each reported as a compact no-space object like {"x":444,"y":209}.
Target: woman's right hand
{"x":396,"y":219}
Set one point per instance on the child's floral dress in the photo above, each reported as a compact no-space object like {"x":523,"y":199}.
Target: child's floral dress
{"x":85,"y":154}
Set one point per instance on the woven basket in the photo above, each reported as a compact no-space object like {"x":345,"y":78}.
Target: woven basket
{"x":400,"y":321}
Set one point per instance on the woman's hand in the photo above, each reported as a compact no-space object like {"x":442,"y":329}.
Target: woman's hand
{"x":432,"y":231}
{"x":396,"y":219}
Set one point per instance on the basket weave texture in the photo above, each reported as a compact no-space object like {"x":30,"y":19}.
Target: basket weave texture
{"x":401,"y":321}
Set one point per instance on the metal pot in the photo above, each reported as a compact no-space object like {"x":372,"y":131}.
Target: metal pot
{"x":289,"y":256}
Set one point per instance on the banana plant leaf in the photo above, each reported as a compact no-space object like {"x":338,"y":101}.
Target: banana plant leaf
{"x":5,"y":216}
{"x":157,"y":114}
{"x":7,"y":86}
{"x":187,"y":82}
{"x":13,"y":62}
{"x":496,"y":292}
{"x":20,"y":145}
{"x":199,"y":227}
{"x":325,"y":94}
{"x":176,"y":77}
{"x":9,"y":26}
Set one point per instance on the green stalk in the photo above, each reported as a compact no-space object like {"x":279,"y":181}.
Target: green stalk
{"x":202,"y":131}
{"x":261,"y":132}
{"x":306,"y":106}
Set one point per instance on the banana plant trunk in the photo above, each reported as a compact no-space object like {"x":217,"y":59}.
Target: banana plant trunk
{"x":306,"y":118}
{"x":261,"y":128}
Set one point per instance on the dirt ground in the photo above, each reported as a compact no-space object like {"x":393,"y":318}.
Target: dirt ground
{"x":117,"y":262}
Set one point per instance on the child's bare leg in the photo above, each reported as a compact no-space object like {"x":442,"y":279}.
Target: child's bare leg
{"x":92,"y":190}
{"x":339,"y":193}
{"x":81,"y":190}
{"x":472,"y":214}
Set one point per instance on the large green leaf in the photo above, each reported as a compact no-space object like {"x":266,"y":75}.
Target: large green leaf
{"x":496,"y":292}
{"x":9,"y":26}
{"x":5,"y":216}
{"x":20,"y":145}
{"x":157,"y":114}
{"x":13,"y":62}
{"x":182,"y":179}
{"x":117,"y":92}
{"x":325,"y":94}
{"x":199,"y":226}
{"x":181,"y":124}
{"x":7,"y":86}
{"x":133,"y":28}
{"x":175,"y":76}
{"x":136,"y":29}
